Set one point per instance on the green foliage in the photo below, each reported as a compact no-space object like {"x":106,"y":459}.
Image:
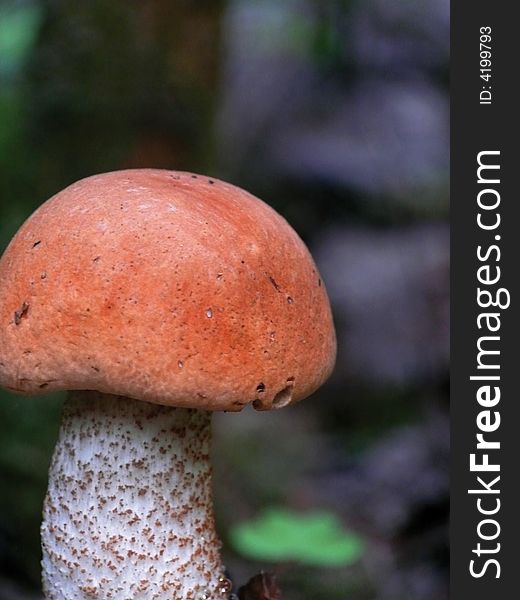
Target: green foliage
{"x":19,"y":25}
{"x":315,"y":539}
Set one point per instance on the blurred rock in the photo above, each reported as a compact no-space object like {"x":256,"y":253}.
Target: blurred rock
{"x":396,"y":482}
{"x":288,"y":112}
{"x":390,"y":295}
{"x":379,"y":138}
{"x":400,"y":36}
{"x":397,"y":494}
{"x":402,"y":481}
{"x":264,"y":75}
{"x":421,"y":582}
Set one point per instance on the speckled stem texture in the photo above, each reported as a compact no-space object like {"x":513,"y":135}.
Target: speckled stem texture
{"x":128,"y":513}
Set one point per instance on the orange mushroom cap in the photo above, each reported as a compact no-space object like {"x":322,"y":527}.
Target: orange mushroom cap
{"x":166,"y":287}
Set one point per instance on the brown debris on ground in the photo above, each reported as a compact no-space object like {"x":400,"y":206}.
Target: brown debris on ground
{"x":260,"y":587}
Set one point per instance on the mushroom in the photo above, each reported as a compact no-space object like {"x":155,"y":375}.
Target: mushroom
{"x":154,"y":297}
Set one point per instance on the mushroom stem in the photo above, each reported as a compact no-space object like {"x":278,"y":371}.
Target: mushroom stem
{"x":128,"y":512}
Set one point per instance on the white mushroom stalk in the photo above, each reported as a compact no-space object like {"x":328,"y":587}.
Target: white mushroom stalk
{"x":128,"y":512}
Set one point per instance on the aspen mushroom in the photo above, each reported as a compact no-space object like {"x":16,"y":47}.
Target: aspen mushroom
{"x":155,"y":298}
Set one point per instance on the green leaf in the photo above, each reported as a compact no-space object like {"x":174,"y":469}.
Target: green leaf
{"x":18,"y":28}
{"x":315,"y":538}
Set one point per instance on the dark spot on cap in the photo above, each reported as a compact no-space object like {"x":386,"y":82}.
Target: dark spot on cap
{"x":21,"y":313}
{"x":274,"y":283}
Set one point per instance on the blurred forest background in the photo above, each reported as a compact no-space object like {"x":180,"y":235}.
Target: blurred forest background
{"x":335,"y":112}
